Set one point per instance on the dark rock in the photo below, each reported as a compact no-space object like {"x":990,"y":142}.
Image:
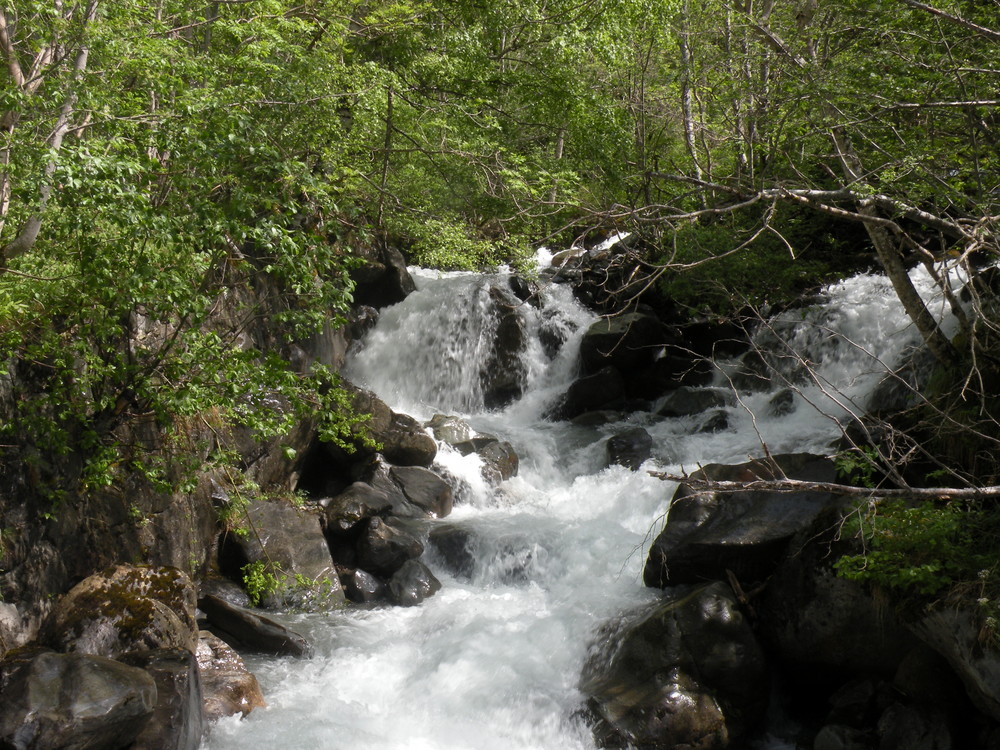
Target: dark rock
{"x":12,"y":633}
{"x":687,"y":673}
{"x":604,"y":389}
{"x":669,"y":372}
{"x":362,"y":587}
{"x":717,"y":421}
{"x":227,"y":686}
{"x":955,"y":635}
{"x":454,"y":546}
{"x":358,"y":502}
{"x":402,"y":439}
{"x":626,"y":342}
{"x":289,"y":542}
{"x":524,"y":290}
{"x":500,"y":461}
{"x":360,"y":321}
{"x":904,"y":727}
{"x":686,"y":401}
{"x":630,"y":448}
{"x":385,"y":546}
{"x":383,"y":279}
{"x":424,"y":489}
{"x":503,"y":372}
{"x":247,"y":630}
{"x":225,"y":589}
{"x":840,"y":737}
{"x":406,"y":443}
{"x":75,"y":701}
{"x":781,"y":403}
{"x":746,"y":532}
{"x":753,"y":373}
{"x":125,"y":608}
{"x":821,"y":628}
{"x":412,"y":583}
{"x":177,"y":722}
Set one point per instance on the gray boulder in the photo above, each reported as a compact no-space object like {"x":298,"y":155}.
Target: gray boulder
{"x":177,"y":722}
{"x":686,"y":673}
{"x":424,"y":489}
{"x":687,"y":401}
{"x":626,"y":342}
{"x":288,"y":541}
{"x":250,"y":631}
{"x":605,"y":389}
{"x":362,"y":587}
{"x":708,"y":533}
{"x":228,"y":687}
{"x":385,"y":546}
{"x":75,"y":702}
{"x":503,"y":373}
{"x":125,"y":608}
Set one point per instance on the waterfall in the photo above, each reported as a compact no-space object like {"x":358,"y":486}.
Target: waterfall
{"x":492,"y":661}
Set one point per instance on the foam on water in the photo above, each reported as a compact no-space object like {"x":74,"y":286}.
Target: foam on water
{"x":492,"y":661}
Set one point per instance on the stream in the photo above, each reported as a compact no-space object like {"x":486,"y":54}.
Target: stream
{"x":492,"y":661}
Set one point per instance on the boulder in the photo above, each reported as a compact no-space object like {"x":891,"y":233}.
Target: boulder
{"x":955,"y":635}
{"x":424,"y":489}
{"x":686,"y":673}
{"x":450,"y":429}
{"x":605,"y":389}
{"x":244,"y":629}
{"x":630,"y":448}
{"x":289,"y":542}
{"x":821,"y":628}
{"x":385,"y":546}
{"x":716,"y":421}
{"x":412,"y":583}
{"x":355,"y":504}
{"x":362,"y":587}
{"x":503,"y":372}
{"x":75,"y":701}
{"x":399,"y":437}
{"x":709,"y":533}
{"x":177,"y":722}
{"x":500,"y":461}
{"x":125,"y":608}
{"x":227,"y":686}
{"x":627,"y":342}
{"x":12,"y":632}
{"x":382,"y":279}
{"x":687,"y":401}
{"x":454,"y":546}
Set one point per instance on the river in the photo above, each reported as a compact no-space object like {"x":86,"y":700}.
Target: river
{"x":492,"y":661}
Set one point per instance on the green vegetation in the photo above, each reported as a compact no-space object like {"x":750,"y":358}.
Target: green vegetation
{"x":185,"y":189}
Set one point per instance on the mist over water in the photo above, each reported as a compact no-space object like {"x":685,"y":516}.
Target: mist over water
{"x":492,"y":661}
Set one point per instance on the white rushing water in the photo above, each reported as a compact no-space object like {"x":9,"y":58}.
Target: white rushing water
{"x":492,"y":662}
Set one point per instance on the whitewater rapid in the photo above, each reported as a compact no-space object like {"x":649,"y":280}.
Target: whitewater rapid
{"x":492,"y":661}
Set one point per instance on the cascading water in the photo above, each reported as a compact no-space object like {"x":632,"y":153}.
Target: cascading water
{"x":493,"y":660}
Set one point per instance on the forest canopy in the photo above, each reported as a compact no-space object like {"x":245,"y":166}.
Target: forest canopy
{"x":157,"y":154}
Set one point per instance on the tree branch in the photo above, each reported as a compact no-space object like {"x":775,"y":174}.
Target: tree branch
{"x":981,"y":30}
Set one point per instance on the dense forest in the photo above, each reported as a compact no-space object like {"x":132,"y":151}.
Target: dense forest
{"x":159,"y":156}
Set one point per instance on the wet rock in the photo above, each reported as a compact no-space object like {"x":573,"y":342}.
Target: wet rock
{"x":503,"y":373}
{"x":687,"y":673}
{"x":840,"y":737}
{"x":355,"y":504}
{"x":904,"y":727}
{"x":454,"y":545}
{"x":500,"y":461}
{"x":385,"y":546}
{"x":288,"y":541}
{"x":450,"y":429}
{"x":424,"y":489}
{"x":360,"y":321}
{"x":177,"y":722}
{"x":225,"y":589}
{"x":716,"y":421}
{"x":524,"y":290}
{"x":362,"y":587}
{"x":125,"y":608}
{"x":630,"y":448}
{"x":404,"y":441}
{"x":412,"y":583}
{"x":604,"y":389}
{"x":746,"y":532}
{"x":781,"y":403}
{"x":75,"y":701}
{"x":12,"y":632}
{"x":626,"y":342}
{"x":686,"y":401}
{"x":228,"y":687}
{"x":250,"y":631}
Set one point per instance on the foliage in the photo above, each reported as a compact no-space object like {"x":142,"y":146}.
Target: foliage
{"x":260,"y":581}
{"x":926,"y":549}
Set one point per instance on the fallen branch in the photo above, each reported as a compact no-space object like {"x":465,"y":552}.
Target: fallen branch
{"x":797,"y":485}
